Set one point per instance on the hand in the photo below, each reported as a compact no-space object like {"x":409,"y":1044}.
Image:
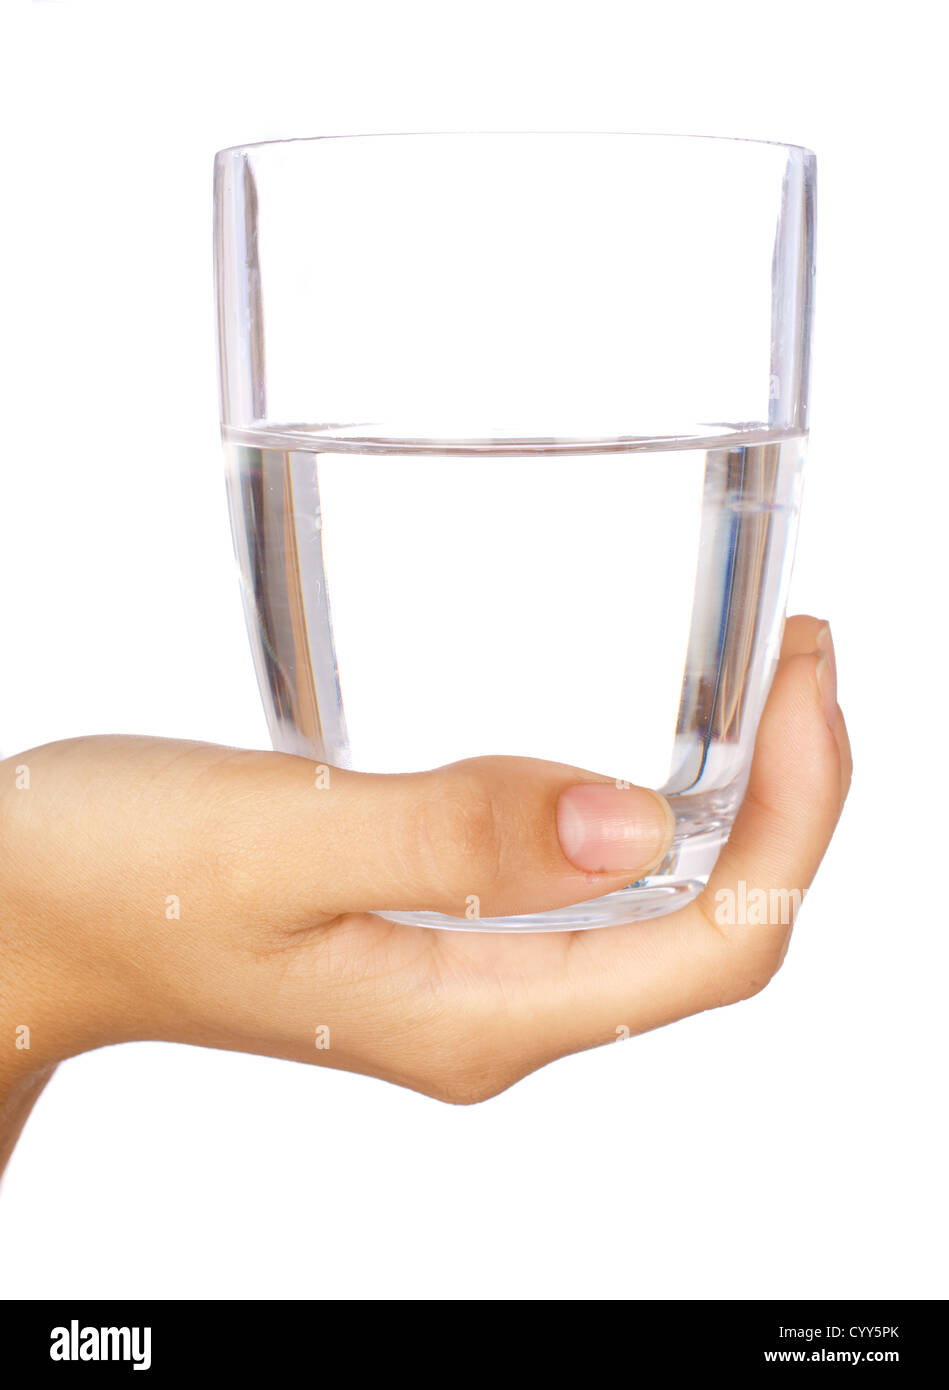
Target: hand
{"x":166,"y":890}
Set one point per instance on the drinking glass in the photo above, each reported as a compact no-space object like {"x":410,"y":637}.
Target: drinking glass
{"x":514,"y":426}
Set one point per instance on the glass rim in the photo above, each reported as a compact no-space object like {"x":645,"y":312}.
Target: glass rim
{"x":802,"y":150}
{"x":346,"y":422}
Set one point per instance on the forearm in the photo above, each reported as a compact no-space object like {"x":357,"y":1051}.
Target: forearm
{"x":31,"y":1026}
{"x":19,"y":1091}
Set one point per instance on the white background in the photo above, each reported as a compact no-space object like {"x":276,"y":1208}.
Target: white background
{"x":793,"y":1146}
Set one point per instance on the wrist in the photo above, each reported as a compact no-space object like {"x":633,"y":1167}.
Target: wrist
{"x":59,"y":987}
{"x":49,"y":1011}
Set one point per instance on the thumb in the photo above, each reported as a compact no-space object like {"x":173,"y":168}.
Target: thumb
{"x":520,"y":834}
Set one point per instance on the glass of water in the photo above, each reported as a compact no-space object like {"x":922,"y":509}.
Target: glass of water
{"x":514,"y":428}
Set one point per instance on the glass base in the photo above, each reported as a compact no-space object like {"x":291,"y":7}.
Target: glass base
{"x":632,"y":904}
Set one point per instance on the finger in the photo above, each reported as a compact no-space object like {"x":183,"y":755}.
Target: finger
{"x":650,"y":973}
{"x":482,"y":838}
{"x":807,"y":634}
{"x":827,"y":680}
{"x":800,"y":634}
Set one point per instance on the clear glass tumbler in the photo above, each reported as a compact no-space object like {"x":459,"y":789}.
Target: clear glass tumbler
{"x":515,"y":426}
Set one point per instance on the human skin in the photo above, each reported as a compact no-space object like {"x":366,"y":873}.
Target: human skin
{"x":157,"y":889}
